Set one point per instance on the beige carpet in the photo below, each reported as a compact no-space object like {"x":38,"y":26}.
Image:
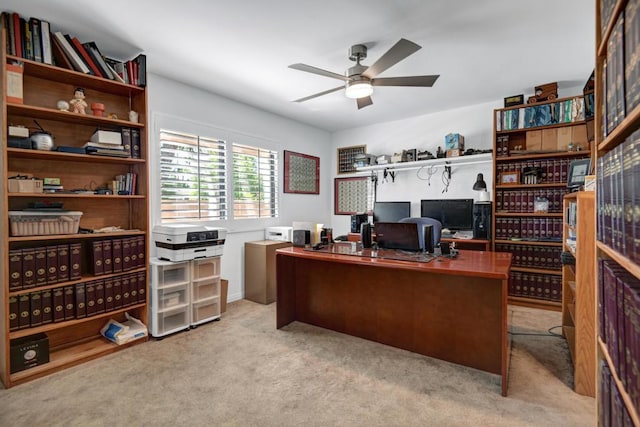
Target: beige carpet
{"x":241,"y":371}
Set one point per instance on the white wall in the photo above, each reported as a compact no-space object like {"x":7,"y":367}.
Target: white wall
{"x":172,"y":103}
{"x":426,"y":132}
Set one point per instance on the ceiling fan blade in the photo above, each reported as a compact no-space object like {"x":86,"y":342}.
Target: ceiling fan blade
{"x":397,"y":53}
{"x":364,"y":102}
{"x":424,"y":81}
{"x":315,"y":95}
{"x":319,"y":71}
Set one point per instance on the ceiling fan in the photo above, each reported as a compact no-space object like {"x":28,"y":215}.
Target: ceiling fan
{"x":360,"y":79}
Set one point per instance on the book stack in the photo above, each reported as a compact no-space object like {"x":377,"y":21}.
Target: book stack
{"x":106,"y":143}
{"x":33,"y":40}
{"x":124,"y":184}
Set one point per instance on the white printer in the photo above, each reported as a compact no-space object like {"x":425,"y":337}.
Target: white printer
{"x":182,"y":242}
{"x":282,"y":234}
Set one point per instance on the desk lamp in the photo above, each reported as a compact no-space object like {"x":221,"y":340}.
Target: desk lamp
{"x":481,"y":187}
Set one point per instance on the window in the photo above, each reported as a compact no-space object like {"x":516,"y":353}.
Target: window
{"x":255,"y":182}
{"x":193,"y":177}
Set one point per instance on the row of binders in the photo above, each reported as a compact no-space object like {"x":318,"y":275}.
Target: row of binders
{"x":33,"y":40}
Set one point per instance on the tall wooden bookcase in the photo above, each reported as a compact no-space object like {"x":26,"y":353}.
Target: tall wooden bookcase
{"x":617,"y":210}
{"x":531,"y":162}
{"x":74,"y":340}
{"x":578,"y":289}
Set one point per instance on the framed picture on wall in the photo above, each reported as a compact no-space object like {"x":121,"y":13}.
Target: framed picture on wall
{"x":301,"y":173}
{"x":351,"y":195}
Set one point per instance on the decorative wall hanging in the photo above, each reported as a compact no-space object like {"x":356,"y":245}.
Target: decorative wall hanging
{"x":301,"y":173}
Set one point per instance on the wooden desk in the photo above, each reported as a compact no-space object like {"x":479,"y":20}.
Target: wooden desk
{"x":450,"y":309}
{"x":466,"y":244}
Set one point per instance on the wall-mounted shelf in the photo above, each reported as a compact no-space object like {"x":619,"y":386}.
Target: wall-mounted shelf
{"x":449,"y":161}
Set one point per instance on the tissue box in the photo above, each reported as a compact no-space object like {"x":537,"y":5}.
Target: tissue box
{"x":454,"y":141}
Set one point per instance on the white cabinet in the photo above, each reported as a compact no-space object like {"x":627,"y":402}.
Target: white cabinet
{"x":183,"y":294}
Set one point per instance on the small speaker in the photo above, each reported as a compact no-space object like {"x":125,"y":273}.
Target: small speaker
{"x":428,"y":238}
{"x":482,"y":220}
{"x":365,"y":234}
{"x":301,"y":238}
{"x":357,"y":220}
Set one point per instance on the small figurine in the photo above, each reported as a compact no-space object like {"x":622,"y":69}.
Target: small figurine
{"x":78,"y":104}
{"x":63,"y":105}
{"x":133,"y":116}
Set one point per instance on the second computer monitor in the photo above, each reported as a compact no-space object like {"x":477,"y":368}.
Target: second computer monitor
{"x":391,"y":211}
{"x":454,"y":214}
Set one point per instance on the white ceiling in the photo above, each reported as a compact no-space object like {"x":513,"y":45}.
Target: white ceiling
{"x":241,"y":49}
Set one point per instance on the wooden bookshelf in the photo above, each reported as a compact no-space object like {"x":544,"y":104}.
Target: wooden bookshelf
{"x":74,"y":340}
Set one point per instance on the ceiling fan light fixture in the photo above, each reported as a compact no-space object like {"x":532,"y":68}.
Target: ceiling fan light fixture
{"x":358,"y":89}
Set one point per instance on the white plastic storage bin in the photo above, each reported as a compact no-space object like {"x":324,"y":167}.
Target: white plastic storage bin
{"x":205,"y":310}
{"x":34,"y":223}
{"x":170,"y":321}
{"x":204,"y":289}
{"x":166,"y":274}
{"x":205,"y":268}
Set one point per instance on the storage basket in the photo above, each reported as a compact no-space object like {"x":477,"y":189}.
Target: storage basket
{"x":31,"y":223}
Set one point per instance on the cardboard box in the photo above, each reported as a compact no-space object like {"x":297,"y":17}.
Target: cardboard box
{"x":454,"y":153}
{"x":25,"y":185}
{"x":549,"y":139}
{"x":454,"y":141}
{"x":28,"y":352}
{"x":564,"y":138}
{"x":534,"y":140}
{"x":224,"y":289}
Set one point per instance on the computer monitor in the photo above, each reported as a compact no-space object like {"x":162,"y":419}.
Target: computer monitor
{"x":398,"y":235}
{"x":454,"y":214}
{"x":390,"y":211}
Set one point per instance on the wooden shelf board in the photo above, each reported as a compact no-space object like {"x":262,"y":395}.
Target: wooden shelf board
{"x":537,"y":270}
{"x":529,"y":242}
{"x":570,"y":335}
{"x":530,"y":214}
{"x":76,"y":196}
{"x":529,"y":186}
{"x":60,"y":156}
{"x":53,"y":326}
{"x":63,"y":75}
{"x":67,"y":117}
{"x":624,"y":129}
{"x":536,"y":303}
{"x":72,"y":355}
{"x":583,"y":153}
{"x":633,"y":411}
{"x":85,"y":278}
{"x":625,"y":262}
{"x":572,"y":286}
{"x":76,"y":236}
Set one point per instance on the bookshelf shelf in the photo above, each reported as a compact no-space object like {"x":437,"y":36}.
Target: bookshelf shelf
{"x":65,"y":357}
{"x":62,"y":75}
{"x":622,"y":260}
{"x":535,"y":303}
{"x":67,"y":117}
{"x":529,"y":242}
{"x":537,"y":270}
{"x":520,"y":186}
{"x":76,"y":339}
{"x":555,"y":154}
{"x":530,"y":214}
{"x":624,"y":129}
{"x":71,"y":323}
{"x":633,"y":411}
{"x":20,"y":153}
{"x":84,"y":278}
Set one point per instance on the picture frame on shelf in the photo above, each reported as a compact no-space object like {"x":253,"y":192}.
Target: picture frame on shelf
{"x":509,"y":178}
{"x":578,"y":170}
{"x":347,"y":157}
{"x":301,"y":173}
